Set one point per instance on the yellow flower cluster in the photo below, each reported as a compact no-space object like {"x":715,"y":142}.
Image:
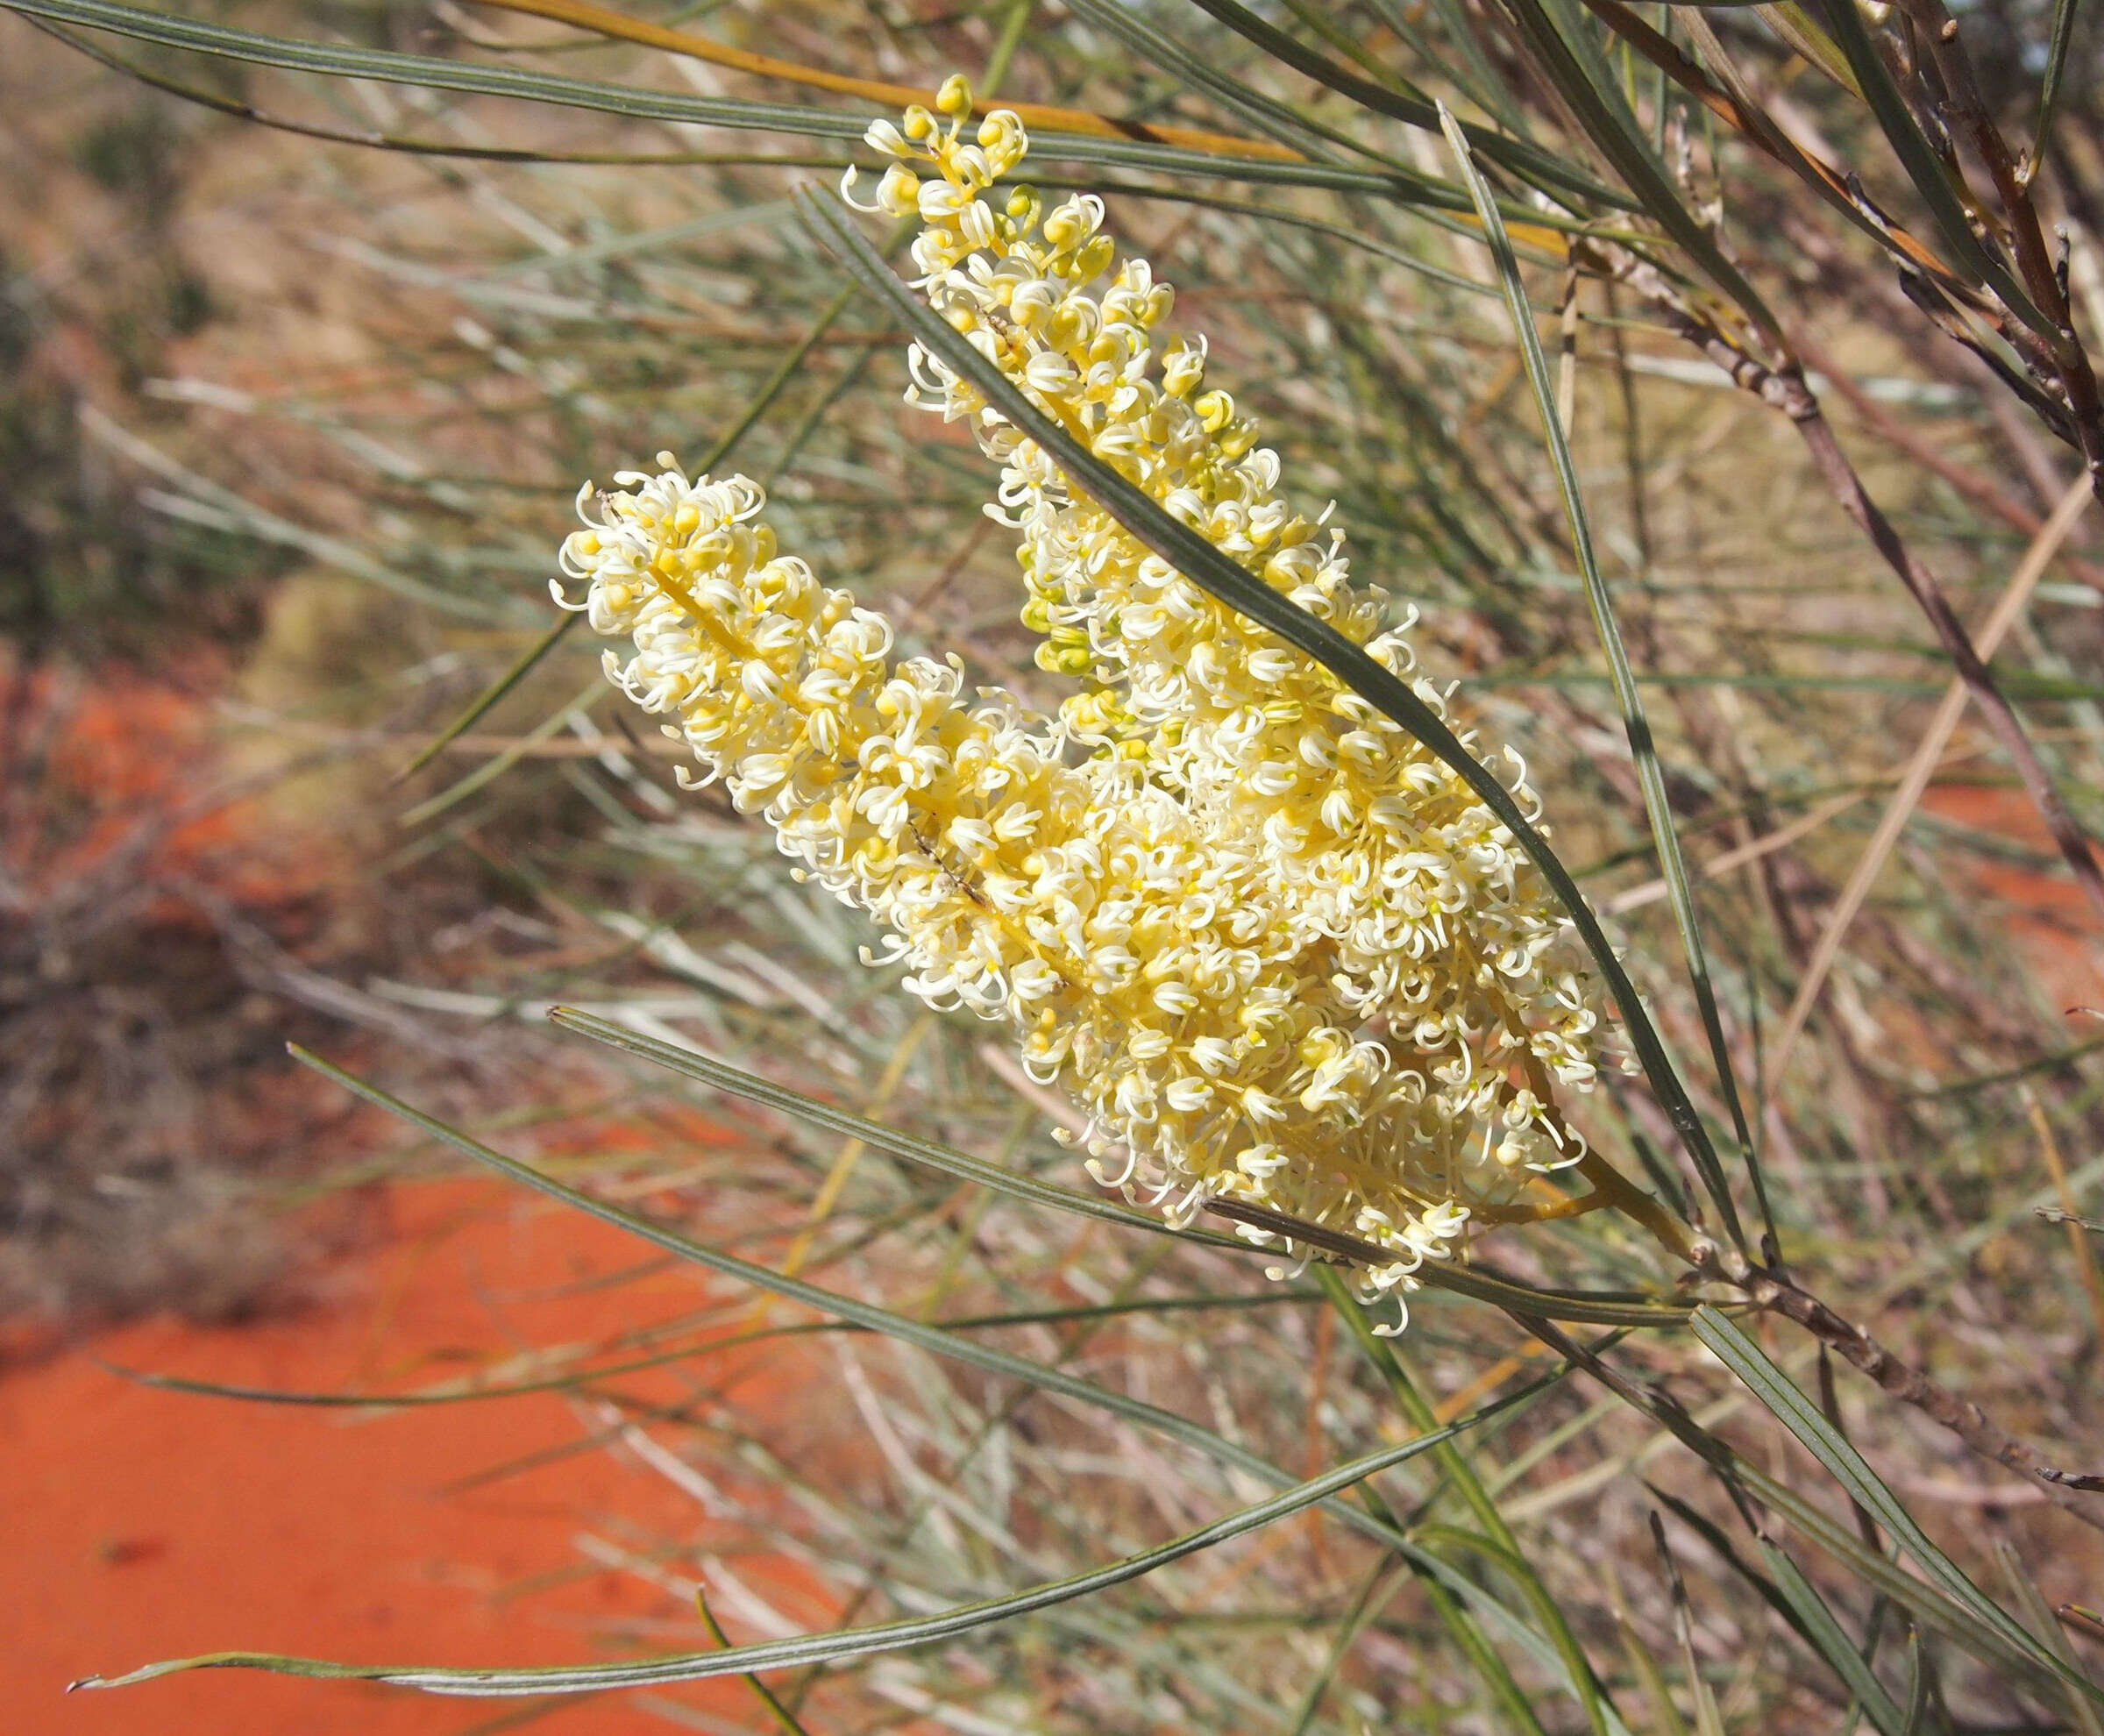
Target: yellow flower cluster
{"x":1275,"y":949}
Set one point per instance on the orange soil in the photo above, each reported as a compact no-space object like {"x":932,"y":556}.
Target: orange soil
{"x":2044,"y":912}
{"x":146,"y":1524}
{"x":134,"y":748}
{"x":143,"y":1523}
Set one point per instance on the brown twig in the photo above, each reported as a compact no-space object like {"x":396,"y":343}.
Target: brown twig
{"x":2002,"y":719}
{"x":1910,"y":1386}
{"x":2084,"y":1621}
{"x":1982,"y":491}
{"x":1778,"y":1294}
{"x":2062,"y":351}
{"x":1921,"y":768}
{"x":1783,"y":388}
{"x":1733,"y":104}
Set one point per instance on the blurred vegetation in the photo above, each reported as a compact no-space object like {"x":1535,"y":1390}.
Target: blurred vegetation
{"x":392,"y":366}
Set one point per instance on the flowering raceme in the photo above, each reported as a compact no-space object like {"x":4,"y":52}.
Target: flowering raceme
{"x":1277,"y":950}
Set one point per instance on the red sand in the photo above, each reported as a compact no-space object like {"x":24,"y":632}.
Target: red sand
{"x":141,"y":1525}
{"x":2043,"y":911}
{"x":146,"y":1523}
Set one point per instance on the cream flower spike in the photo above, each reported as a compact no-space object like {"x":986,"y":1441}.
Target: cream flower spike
{"x":1152,"y":966}
{"x":1450,"y":958}
{"x":1277,"y":950}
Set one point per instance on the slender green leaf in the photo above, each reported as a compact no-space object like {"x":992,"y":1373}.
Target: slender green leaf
{"x":501,"y":762}
{"x":1279,"y":120}
{"x":1818,"y":1625}
{"x":912,"y":1147}
{"x":1268,"y":1297}
{"x":1782,"y":1399}
{"x":1651,"y":776}
{"x":1508,"y":1558}
{"x":852,"y":1642}
{"x":1206,"y":565}
{"x":1487,"y":86}
{"x":1916,"y":1719}
{"x":1606,"y":118}
{"x":1415,"y":110}
{"x":1794,"y":27}
{"x":783,"y":1718}
{"x":920,"y":1333}
{"x":2038,"y":1616}
{"x":1500,"y":1292}
{"x":1497,"y":1540}
{"x":1374,"y":1592}
{"x":1333,"y":231}
{"x":1708,"y":1721}
{"x":2058,"y":41}
{"x":941,"y":1342}
{"x":1290,"y":126}
{"x":1927,"y":1602}
{"x":1923,"y":167}
{"x":1720,"y":1546}
{"x":491,"y":696}
{"x":432,"y":72}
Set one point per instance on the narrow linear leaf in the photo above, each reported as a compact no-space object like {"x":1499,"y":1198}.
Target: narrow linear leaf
{"x":606,"y":23}
{"x":1410,"y":108}
{"x":1836,"y":1538}
{"x":1916,"y":1716}
{"x":1432,"y":197}
{"x":1614,"y":130}
{"x":1708,"y":1721}
{"x":2058,"y":41}
{"x":783,"y":1718}
{"x":912,"y":1147}
{"x":1651,"y":777}
{"x":1924,"y":1602}
{"x":1923,"y":168}
{"x":1373,"y":1595}
{"x":1280,"y":120}
{"x":920,"y":1334}
{"x":1497,"y":1540}
{"x":941,"y":1342}
{"x":2038,"y":1617}
{"x":1824,"y":1632}
{"x":1502,"y":1293}
{"x":1720,"y":1546}
{"x":501,"y":762}
{"x":1780,"y":1396}
{"x":490,"y":696}
{"x":1266,"y":1298}
{"x":1795,"y":28}
{"x":1206,"y":565}
{"x":1599,"y":1714}
{"x":817,"y":1648}
{"x":342,"y":61}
